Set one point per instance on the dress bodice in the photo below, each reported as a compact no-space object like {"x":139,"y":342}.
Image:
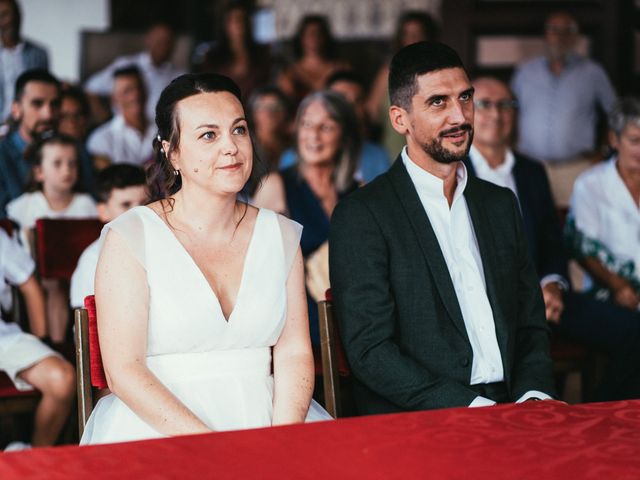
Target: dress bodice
{"x":184,"y":312}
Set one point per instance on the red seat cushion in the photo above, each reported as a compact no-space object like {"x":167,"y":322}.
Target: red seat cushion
{"x":98,"y":377}
{"x":60,"y":243}
{"x":8,"y":389}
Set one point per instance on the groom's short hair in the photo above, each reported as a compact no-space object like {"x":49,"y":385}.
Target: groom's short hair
{"x":414,"y":60}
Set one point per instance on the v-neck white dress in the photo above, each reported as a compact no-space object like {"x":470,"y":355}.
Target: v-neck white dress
{"x":220,"y":369}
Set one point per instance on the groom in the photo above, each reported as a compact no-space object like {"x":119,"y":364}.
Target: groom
{"x":435,"y":292}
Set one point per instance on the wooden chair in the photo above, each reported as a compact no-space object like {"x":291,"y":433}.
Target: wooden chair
{"x":89,"y":369}
{"x":334,"y":362}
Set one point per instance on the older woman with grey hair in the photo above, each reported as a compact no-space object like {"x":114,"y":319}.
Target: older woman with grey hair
{"x":604,"y":219}
{"x":327,"y":145}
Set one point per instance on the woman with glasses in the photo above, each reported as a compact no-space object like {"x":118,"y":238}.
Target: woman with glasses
{"x":327,"y":145}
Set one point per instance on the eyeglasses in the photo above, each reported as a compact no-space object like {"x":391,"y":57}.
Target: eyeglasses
{"x":500,"y":105}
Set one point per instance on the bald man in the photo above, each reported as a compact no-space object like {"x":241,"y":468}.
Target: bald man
{"x":602,"y":325}
{"x":560,"y":94}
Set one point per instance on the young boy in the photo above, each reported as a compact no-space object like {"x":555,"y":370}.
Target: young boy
{"x":119,"y":188}
{"x":25,"y":358}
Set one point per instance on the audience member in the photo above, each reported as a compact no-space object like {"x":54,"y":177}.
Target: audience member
{"x":580,"y":317}
{"x":327,"y":148}
{"x":25,"y":358}
{"x":373,"y":159}
{"x":268,"y":110}
{"x":52,"y":194}
{"x":17,"y":55}
{"x":128,"y":136}
{"x":120,"y":187}
{"x":74,"y":122}
{"x":154,"y":64}
{"x":235,"y":53}
{"x":559,"y":95}
{"x":433,"y":286}
{"x":412,"y":27}
{"x":34,"y":111}
{"x":604,"y":217}
{"x":315,"y":59}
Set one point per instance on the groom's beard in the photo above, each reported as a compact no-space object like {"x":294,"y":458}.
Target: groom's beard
{"x":436,"y":150}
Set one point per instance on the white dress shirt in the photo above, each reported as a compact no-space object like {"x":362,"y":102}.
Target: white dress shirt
{"x":122,"y":143}
{"x":454,"y":230}
{"x":16,"y":266}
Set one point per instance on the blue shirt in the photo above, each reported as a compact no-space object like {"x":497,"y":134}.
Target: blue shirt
{"x":14,"y":169}
{"x":372,"y":162}
{"x":558,"y":113}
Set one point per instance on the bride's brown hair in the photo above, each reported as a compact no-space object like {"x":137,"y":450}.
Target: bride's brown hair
{"x":161,"y":176}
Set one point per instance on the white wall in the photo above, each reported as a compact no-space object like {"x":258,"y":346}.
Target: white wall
{"x":56,"y":24}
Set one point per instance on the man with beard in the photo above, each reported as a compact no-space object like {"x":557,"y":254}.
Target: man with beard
{"x":34,"y":111}
{"x":559,"y":96}
{"x":435,"y":292}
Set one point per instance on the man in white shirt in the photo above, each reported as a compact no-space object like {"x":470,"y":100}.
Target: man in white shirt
{"x":119,"y":188}
{"x":128,"y":136}
{"x":154,"y":63}
{"x":434,"y":289}
{"x":578,"y":316}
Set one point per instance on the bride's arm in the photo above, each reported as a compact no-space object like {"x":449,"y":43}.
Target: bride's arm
{"x":122,"y":301}
{"x":292,"y":356}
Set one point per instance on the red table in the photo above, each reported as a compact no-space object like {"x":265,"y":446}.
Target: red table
{"x":536,"y":440}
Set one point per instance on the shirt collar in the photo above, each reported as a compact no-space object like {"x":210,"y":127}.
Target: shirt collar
{"x":428,"y":184}
{"x":481,"y":165}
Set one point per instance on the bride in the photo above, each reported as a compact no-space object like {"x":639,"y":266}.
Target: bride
{"x":201,"y":304}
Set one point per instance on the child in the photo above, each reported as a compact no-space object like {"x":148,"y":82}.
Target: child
{"x":119,"y":188}
{"x":52,"y":193}
{"x":25,"y":359}
{"x":52,"y":190}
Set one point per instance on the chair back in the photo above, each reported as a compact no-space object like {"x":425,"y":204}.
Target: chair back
{"x":334,"y":360}
{"x":7,"y":226}
{"x":89,"y":368}
{"x":58,"y":244}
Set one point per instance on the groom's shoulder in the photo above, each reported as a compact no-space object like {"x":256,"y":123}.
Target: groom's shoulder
{"x":373,"y":193}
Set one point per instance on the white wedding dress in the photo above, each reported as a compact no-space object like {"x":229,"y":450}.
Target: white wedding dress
{"x":220,"y":369}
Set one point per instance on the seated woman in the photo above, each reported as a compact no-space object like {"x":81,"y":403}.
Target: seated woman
{"x":196,"y":355}
{"x":314,"y":51}
{"x":327,"y":150}
{"x":603,"y":225}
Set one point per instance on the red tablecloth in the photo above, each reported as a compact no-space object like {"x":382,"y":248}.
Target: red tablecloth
{"x":535,"y":440}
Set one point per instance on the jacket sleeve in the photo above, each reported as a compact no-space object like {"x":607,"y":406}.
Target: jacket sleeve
{"x":366,"y":312}
{"x":532,"y":369}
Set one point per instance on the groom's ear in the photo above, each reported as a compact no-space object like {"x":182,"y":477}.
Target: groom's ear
{"x":399,"y":119}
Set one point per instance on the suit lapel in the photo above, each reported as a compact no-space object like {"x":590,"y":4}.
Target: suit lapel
{"x":482,"y":227}
{"x":408,"y":197}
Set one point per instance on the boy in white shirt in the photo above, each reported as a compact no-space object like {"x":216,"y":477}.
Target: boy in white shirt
{"x":119,"y":188}
{"x":25,"y":358}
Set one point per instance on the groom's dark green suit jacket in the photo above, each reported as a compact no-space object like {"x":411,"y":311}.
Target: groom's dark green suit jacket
{"x":398,"y":313}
